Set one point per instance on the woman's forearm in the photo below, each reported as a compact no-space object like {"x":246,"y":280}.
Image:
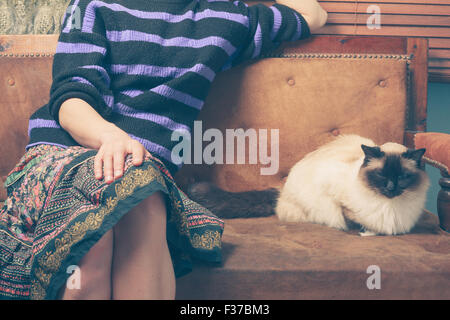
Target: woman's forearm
{"x":311,"y":11}
{"x":83,"y":123}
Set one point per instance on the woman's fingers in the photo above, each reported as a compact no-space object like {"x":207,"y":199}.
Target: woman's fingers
{"x":108,"y":166}
{"x":110,"y":160}
{"x":138,"y":152}
{"x":98,"y":164}
{"x":118,"y":163}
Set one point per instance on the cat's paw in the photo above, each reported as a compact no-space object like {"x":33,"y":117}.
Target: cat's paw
{"x":367,"y":233}
{"x":363,"y":232}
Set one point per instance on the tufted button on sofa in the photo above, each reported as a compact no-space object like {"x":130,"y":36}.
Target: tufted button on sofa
{"x":310,"y":91}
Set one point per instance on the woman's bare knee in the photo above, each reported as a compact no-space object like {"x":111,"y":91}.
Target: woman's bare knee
{"x":155,"y":204}
{"x":92,"y":276}
{"x":100,"y":253}
{"x":150,"y":209}
{"x":147,"y":219}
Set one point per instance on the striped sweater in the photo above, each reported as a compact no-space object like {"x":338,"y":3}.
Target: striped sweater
{"x":147,"y":65}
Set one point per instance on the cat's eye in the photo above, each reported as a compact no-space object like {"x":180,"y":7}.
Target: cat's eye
{"x":378,"y":174}
{"x":405,"y":176}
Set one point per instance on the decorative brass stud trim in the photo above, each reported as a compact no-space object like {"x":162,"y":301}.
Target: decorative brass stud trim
{"x":338,"y":55}
{"x":26,"y":54}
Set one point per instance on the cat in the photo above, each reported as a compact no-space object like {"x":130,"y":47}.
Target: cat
{"x":348,"y":181}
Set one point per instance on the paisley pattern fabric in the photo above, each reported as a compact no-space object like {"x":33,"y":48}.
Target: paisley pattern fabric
{"x":31,"y":16}
{"x":56,"y":210}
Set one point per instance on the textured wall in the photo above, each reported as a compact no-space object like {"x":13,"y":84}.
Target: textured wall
{"x":31,"y":16}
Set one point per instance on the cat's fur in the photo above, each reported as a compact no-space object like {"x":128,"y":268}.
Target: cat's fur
{"x":230,"y":205}
{"x":349,"y":180}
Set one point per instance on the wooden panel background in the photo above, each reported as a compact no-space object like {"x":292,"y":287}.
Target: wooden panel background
{"x":412,"y":18}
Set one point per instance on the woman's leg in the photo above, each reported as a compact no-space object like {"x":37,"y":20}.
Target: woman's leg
{"x":95,"y":273}
{"x":142,"y":266}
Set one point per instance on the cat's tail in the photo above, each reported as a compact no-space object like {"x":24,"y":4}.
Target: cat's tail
{"x":228,"y":205}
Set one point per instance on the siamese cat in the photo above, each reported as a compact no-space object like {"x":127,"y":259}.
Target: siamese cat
{"x":347,"y":181}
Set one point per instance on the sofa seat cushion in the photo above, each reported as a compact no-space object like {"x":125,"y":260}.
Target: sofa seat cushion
{"x":264,"y":258}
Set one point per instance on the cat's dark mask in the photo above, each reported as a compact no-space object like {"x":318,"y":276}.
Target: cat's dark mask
{"x":391,"y":175}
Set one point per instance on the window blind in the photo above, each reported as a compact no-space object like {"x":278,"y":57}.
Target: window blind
{"x":412,"y":18}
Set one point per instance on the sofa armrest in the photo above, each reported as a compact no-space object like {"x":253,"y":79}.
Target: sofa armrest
{"x":438,"y":156}
{"x":438,"y":149}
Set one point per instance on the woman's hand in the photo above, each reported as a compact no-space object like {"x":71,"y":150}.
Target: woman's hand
{"x":314,"y":15}
{"x":116,"y":144}
{"x":91,"y":131}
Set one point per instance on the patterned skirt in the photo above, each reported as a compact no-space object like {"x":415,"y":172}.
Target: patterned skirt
{"x":56,"y":210}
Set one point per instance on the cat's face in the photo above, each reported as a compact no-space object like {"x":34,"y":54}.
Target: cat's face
{"x":392,"y":172}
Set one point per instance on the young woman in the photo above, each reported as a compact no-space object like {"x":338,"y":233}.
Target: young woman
{"x":94,"y":190}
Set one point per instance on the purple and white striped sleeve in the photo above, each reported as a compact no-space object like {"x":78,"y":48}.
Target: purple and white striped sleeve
{"x":79,"y":67}
{"x":268,"y":27}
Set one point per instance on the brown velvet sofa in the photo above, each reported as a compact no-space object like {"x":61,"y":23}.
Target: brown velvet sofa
{"x":311,"y":91}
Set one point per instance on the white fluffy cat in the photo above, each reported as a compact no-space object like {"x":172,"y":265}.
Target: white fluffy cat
{"x":381,"y":188}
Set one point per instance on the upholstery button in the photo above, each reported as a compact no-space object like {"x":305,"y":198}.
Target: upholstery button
{"x":11,"y":82}
{"x":284,"y":174}
{"x":291,"y":82}
{"x":382,"y":83}
{"x":335,"y":132}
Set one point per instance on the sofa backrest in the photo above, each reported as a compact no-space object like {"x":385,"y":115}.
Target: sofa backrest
{"x":308,"y":91}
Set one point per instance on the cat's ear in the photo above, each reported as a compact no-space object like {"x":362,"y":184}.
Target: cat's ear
{"x":415,"y":155}
{"x":372,"y":152}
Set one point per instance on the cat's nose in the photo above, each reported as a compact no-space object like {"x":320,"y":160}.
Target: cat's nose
{"x":390,"y":186}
